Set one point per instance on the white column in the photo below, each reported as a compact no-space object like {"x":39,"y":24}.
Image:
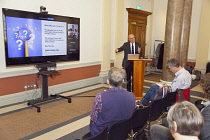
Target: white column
{"x":106,"y":39}
{"x":119,"y":31}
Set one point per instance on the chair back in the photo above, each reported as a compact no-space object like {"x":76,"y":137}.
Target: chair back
{"x":183,"y":94}
{"x":156,"y":109}
{"x":140,"y":118}
{"x":119,"y":130}
{"x":170,"y":99}
{"x":199,"y":104}
{"x":100,"y":136}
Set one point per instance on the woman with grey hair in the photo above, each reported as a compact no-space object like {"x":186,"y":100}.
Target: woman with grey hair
{"x":112,"y":105}
{"x":185,"y":121}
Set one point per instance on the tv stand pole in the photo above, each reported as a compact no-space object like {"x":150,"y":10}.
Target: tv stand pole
{"x":44,"y":85}
{"x":44,"y":73}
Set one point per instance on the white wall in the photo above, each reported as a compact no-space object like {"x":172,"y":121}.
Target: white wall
{"x":113,"y":33}
{"x":157,"y":21}
{"x":203,"y":49}
{"x":89,"y":13}
{"x":194,"y":30}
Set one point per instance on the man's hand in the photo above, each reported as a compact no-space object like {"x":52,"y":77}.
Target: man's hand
{"x":116,"y":50}
{"x":139,"y":49}
{"x":164,"y":85}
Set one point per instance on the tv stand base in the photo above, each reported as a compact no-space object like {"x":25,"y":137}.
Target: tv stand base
{"x":34,"y":102}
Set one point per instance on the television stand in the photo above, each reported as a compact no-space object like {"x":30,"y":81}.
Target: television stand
{"x":44,"y":73}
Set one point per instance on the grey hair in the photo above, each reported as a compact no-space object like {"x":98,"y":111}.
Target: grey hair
{"x":173,"y":63}
{"x":187,"y":117}
{"x":116,"y":76}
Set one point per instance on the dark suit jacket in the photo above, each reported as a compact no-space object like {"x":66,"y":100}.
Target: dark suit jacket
{"x":127,"y":50}
{"x":205,"y":133}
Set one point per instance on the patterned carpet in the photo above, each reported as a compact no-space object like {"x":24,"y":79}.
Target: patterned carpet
{"x":59,"y":119}
{"x":27,"y":121}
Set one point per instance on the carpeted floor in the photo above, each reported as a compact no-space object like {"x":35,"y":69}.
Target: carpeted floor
{"x":153,"y":77}
{"x":25,"y":122}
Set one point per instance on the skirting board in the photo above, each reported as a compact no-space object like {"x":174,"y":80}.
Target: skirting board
{"x":56,"y":89}
{"x":103,"y":76}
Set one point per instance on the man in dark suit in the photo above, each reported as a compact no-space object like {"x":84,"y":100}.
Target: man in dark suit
{"x":130,"y":47}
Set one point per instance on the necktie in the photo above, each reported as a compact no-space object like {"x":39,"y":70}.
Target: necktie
{"x":132,"y":50}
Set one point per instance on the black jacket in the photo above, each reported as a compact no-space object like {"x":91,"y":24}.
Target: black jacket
{"x":127,"y":50}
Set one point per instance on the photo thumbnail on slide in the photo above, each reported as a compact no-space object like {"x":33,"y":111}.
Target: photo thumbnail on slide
{"x":73,"y":38}
{"x":73,"y":31}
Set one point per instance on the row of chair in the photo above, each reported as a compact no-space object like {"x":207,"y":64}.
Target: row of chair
{"x":141,"y":119}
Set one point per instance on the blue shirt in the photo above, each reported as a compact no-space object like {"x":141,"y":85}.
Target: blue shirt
{"x":182,"y":80}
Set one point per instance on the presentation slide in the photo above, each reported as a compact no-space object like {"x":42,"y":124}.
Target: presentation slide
{"x":33,"y":37}
{"x":54,"y":38}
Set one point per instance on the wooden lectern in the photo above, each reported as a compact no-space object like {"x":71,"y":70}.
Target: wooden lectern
{"x":138,"y":76}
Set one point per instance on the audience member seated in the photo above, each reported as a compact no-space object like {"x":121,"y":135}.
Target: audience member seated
{"x":185,"y":121}
{"x":205,"y":84}
{"x":161,"y":132}
{"x":112,"y":105}
{"x":182,"y":80}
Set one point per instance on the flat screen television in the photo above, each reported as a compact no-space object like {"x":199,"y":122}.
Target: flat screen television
{"x":32,"y":37}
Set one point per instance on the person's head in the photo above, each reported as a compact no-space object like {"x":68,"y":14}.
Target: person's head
{"x":184,"y":119}
{"x":131,"y":38}
{"x":116,"y":77}
{"x":174,"y":65}
{"x":205,"y":84}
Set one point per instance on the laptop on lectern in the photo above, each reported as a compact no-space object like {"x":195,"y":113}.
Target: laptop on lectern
{"x":133,"y":56}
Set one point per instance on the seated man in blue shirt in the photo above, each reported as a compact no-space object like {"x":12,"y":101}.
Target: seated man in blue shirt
{"x":182,"y":80}
{"x":112,"y":105}
{"x":162,"y":132}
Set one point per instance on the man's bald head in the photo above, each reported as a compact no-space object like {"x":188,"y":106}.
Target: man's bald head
{"x":131,"y":38}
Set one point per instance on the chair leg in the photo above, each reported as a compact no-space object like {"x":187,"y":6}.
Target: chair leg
{"x":143,"y":133}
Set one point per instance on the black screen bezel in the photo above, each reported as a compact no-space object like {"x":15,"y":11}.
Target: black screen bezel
{"x":39,"y":59}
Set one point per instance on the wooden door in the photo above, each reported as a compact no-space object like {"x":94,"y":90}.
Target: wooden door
{"x":137,"y":22}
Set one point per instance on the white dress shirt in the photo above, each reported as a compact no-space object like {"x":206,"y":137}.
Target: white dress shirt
{"x":133,"y":48}
{"x":182,"y":80}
